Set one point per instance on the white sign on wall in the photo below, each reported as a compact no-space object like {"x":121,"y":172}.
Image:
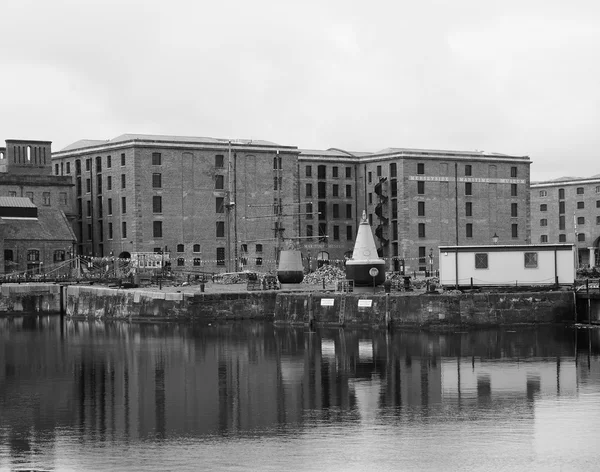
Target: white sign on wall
{"x":326,"y":301}
{"x":365,"y":303}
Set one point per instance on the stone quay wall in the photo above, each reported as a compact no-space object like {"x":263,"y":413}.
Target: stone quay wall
{"x":141,"y":305}
{"x":427,"y":310}
{"x":292,"y":308}
{"x":29,"y":298}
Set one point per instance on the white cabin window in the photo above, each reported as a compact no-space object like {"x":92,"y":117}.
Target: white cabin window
{"x":531,"y":260}
{"x":481,"y":260}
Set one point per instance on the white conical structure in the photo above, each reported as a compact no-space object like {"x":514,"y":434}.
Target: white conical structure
{"x":365,"y":267}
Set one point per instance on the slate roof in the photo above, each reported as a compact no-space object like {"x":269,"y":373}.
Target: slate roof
{"x":84,"y":143}
{"x":16,"y":202}
{"x":50,"y":225}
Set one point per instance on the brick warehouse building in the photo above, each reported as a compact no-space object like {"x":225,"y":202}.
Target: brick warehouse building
{"x":567,"y":210}
{"x":192,"y":198}
{"x":412,"y":198}
{"x":35,"y":234}
{"x":132,"y":191}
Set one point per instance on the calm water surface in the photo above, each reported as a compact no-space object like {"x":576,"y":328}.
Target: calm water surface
{"x":250,"y":396}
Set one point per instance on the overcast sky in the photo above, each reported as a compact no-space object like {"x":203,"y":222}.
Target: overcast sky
{"x":517,"y":77}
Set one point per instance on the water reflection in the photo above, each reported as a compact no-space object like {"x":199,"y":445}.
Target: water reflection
{"x":66,"y":388}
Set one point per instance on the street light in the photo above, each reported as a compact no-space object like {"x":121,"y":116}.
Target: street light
{"x":495,"y":238}
{"x":431,"y":262}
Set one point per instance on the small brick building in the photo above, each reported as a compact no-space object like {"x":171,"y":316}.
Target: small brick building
{"x":34,"y":241}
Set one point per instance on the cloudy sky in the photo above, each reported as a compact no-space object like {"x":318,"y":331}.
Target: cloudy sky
{"x":518,"y":77}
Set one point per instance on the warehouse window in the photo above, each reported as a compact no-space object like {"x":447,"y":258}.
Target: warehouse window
{"x":421,"y":230}
{"x":580,"y":191}
{"x":156,"y":204}
{"x":197,"y":261}
{"x":581,"y":220}
{"x":156,"y":159}
{"x":562,"y":238}
{"x":156,"y":180}
{"x":122,"y":159}
{"x":421,"y":208}
{"x":531,"y":260}
{"x":544,"y":238}
{"x":469,"y":230}
{"x":348,"y":191}
{"x":543,"y":222}
{"x":543,"y":207}
{"x":309,"y":211}
{"x":420,"y":187}
{"x":157,"y":229}
{"x":515,"y":230}
{"x":581,"y":237}
{"x":580,"y":205}
{"x":180,"y":261}
{"x":219,"y":205}
{"x":468,"y":188}
{"x":420,"y":168}
{"x":513,"y":190}
{"x":513,"y":171}
{"x":481,"y":260}
{"x":308,"y":190}
{"x":219,"y":182}
{"x":334,"y":172}
{"x":348,"y":172}
{"x":220,"y":229}
{"x":196,"y":248}
{"x":514,"y":209}
{"x":543,"y":193}
{"x":469,"y":209}
{"x":220,"y":256}
{"x":219,"y":160}
{"x":349,"y":233}
{"x":468,"y":169}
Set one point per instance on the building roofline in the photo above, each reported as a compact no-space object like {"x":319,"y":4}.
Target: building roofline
{"x":562,"y":183}
{"x":182,"y":142}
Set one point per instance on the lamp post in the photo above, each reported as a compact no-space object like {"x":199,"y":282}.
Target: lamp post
{"x":495,"y":238}
{"x":431,"y":262}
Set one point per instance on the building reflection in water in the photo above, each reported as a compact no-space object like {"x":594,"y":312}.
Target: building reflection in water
{"x":124,"y":382}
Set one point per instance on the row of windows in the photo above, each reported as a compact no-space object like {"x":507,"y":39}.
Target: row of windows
{"x":561,"y":206}
{"x":562,"y":238}
{"x":46,"y":197}
{"x":580,"y":221}
{"x":468,"y":170}
{"x":468,"y":188}
{"x":530,"y":260}
{"x":561,"y":192}
{"x":322,"y":229}
{"x":322,"y":211}
{"x":468,"y":230}
{"x":322,"y":190}
{"x":322,"y":172}
{"x":33,"y":255}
